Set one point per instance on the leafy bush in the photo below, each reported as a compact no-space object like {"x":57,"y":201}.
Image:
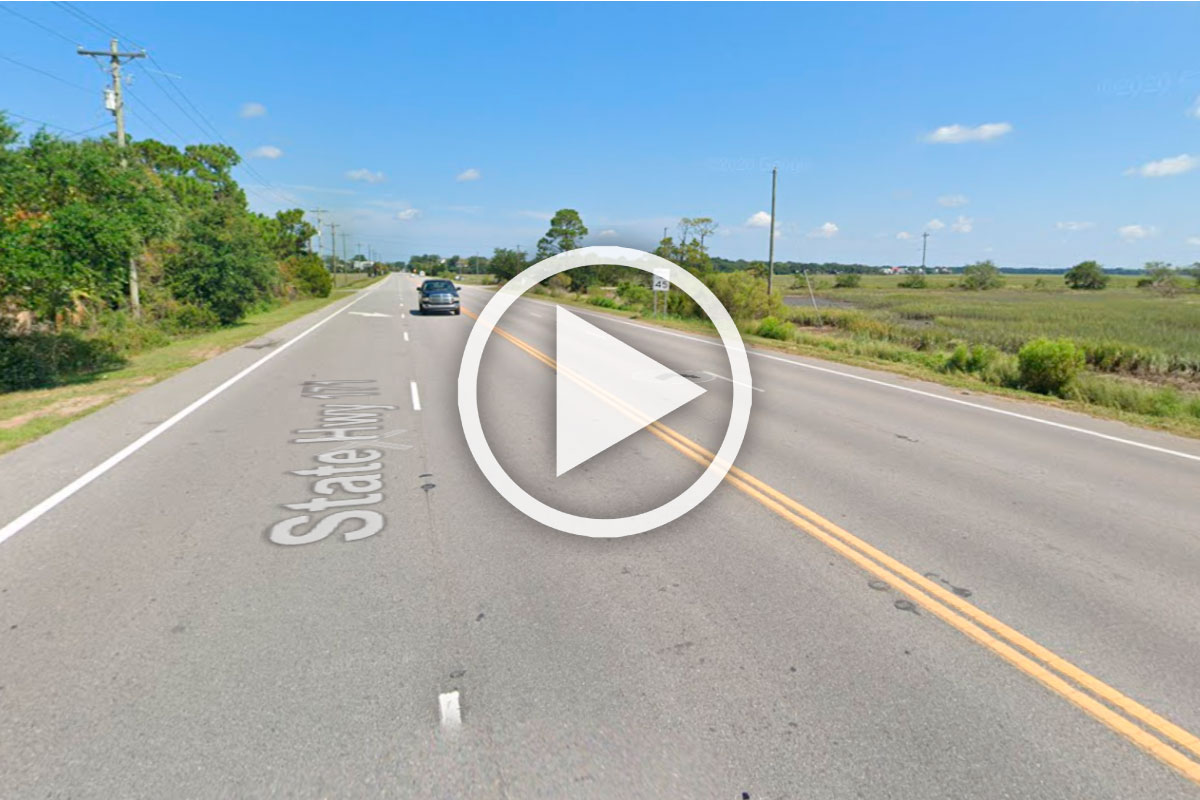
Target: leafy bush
{"x":308,"y":274}
{"x":1049,"y":366}
{"x":125,"y":334}
{"x":774,"y":328}
{"x":1086,"y":275}
{"x":635,"y":294}
{"x":1162,"y":278}
{"x":914,"y":281}
{"x":744,"y":296}
{"x":848,"y":280}
{"x":221,"y":265}
{"x":602,"y":301}
{"x":974,"y":359}
{"x":981,"y":276}
{"x":190,"y":319}
{"x":38,"y":360}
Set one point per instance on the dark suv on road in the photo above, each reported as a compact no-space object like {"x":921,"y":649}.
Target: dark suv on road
{"x":439,"y":295}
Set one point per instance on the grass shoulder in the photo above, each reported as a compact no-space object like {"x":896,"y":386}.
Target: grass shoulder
{"x":28,"y":415}
{"x":835,"y":345}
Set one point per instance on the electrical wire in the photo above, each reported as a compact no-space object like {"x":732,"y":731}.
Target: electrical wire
{"x":50,"y":75}
{"x":203,"y":125}
{"x":35,"y":23}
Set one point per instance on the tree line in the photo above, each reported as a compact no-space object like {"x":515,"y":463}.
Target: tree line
{"x":79,"y":218}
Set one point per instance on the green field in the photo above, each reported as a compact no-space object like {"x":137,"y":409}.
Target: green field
{"x":1124,"y":330}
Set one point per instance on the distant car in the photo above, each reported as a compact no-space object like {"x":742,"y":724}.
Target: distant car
{"x":439,"y":295}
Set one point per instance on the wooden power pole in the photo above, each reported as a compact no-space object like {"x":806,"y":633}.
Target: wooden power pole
{"x":771,"y":247}
{"x":114,"y":101}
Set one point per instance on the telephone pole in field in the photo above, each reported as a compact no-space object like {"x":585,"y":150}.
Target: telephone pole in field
{"x":924,"y":246}
{"x":318,"y":212}
{"x":333,"y":226}
{"x":114,"y":101}
{"x":771,"y":247}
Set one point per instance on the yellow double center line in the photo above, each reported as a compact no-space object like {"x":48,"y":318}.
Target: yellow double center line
{"x":1153,"y":733}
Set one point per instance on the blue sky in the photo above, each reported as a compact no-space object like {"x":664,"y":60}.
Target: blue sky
{"x":1067,"y":131}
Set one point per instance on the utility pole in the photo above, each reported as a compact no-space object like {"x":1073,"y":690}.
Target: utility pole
{"x":771,"y":247}
{"x":333,"y":226}
{"x":114,"y":102}
{"x":318,"y":212}
{"x":924,"y":246}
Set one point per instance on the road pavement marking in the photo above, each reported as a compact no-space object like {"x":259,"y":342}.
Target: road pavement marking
{"x":406,"y":336}
{"x":1049,"y":669}
{"x":416,"y":397}
{"x":23,"y":521}
{"x":449,"y":710}
{"x":731,"y":380}
{"x":911,"y":390}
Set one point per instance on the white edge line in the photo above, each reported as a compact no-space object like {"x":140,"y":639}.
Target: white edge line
{"x":416,"y":397}
{"x":449,"y":710}
{"x":909,"y":389}
{"x":23,"y":521}
{"x":731,"y":380}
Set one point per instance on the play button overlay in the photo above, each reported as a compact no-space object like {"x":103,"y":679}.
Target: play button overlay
{"x":603,"y":396}
{"x":599,"y":400}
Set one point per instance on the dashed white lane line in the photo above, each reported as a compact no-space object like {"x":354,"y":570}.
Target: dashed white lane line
{"x":406,"y":336}
{"x":416,"y":396}
{"x":125,"y":452}
{"x":449,"y":710}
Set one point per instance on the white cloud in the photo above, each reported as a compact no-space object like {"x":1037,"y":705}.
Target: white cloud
{"x":962,"y":224}
{"x":759,"y":219}
{"x":935,"y":224}
{"x":1176,"y":165}
{"x":365,"y":175}
{"x":826,"y":231}
{"x":953,"y":200}
{"x":956,"y":134}
{"x":251,"y":110}
{"x":408,"y":213}
{"x":904,"y":236}
{"x":266,"y":151}
{"x":543,"y":216}
{"x":1074,"y":226}
{"x":1194,"y":111}
{"x":471,"y":174}
{"x":606,"y":234}
{"x":1131,"y":233}
{"x":1194,"y":240}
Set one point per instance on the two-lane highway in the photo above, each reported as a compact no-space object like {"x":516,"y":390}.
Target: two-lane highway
{"x":900,"y":592}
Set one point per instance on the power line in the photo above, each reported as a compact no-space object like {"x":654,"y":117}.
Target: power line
{"x":41,"y":122}
{"x":50,"y":75}
{"x":35,"y":23}
{"x":182,"y":139}
{"x":88,"y":19}
{"x":205,"y":127}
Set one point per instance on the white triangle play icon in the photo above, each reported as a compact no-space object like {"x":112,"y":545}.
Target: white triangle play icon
{"x":607,"y":391}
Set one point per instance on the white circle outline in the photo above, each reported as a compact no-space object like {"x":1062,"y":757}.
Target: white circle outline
{"x":615,"y":527}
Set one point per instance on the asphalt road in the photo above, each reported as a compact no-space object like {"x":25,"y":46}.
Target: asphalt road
{"x":902,"y":591}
